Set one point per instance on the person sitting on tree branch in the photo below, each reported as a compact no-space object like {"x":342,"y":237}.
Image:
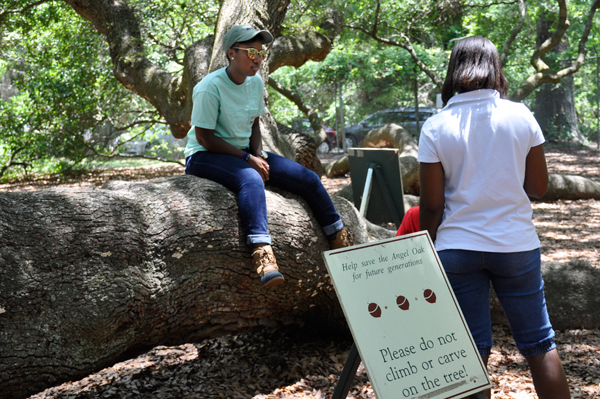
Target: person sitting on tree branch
{"x":225,"y":146}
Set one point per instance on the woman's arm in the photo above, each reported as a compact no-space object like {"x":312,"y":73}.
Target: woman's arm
{"x":256,"y":138}
{"x":536,"y":173}
{"x":208,"y":140}
{"x":431,"y":206}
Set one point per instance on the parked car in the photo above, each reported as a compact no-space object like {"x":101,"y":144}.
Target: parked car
{"x":303,"y":126}
{"x":405,"y":117}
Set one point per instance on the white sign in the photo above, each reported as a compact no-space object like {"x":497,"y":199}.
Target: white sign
{"x":405,"y":320}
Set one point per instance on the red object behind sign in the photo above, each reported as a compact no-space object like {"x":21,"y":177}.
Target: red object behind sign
{"x":410,"y":223}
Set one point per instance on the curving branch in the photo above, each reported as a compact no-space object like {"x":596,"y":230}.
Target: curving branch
{"x":515,"y":32}
{"x":544,"y":75}
{"x":118,"y":23}
{"x":12,"y":163}
{"x":315,"y":121}
{"x":552,"y":41}
{"x":405,"y":44}
{"x":296,"y":50}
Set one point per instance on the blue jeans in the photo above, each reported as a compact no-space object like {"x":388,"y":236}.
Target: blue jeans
{"x":246,"y":182}
{"x":518,"y":283}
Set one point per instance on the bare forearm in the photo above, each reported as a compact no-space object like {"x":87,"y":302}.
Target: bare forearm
{"x":256,"y":139}
{"x":432,"y":200}
{"x":430,"y":219}
{"x":536,"y":173}
{"x":215,"y":144}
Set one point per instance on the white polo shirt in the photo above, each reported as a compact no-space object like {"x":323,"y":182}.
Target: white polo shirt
{"x":482,"y":142}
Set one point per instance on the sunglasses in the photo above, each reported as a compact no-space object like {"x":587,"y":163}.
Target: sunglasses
{"x":252,"y":52}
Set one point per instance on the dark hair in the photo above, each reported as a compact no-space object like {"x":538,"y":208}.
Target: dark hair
{"x":474,"y":64}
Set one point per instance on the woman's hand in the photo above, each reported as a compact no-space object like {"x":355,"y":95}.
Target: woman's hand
{"x":261,"y":166}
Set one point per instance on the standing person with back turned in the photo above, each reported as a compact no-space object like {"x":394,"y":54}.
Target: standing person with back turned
{"x":225,"y":146}
{"x":480,"y":158}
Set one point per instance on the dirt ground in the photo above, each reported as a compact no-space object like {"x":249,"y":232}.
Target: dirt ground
{"x":298,"y":363}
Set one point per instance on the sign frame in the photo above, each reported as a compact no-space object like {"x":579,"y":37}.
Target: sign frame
{"x":417,"y":250}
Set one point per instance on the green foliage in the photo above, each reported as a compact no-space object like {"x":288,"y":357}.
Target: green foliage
{"x":373,"y":77}
{"x":68,"y":105}
{"x":376,"y":75}
{"x":65,"y":109}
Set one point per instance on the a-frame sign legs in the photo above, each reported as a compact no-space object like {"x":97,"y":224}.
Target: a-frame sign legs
{"x":347,"y":377}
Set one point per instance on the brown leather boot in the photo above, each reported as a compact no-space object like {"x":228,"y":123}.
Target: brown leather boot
{"x":342,"y":239}
{"x":266,"y":266}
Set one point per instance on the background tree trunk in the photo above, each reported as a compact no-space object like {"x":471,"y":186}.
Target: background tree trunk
{"x":555,"y":103}
{"x":569,"y":187}
{"x":89,"y":276}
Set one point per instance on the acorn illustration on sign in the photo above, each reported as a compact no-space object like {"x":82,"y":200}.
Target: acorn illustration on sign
{"x":374,"y":309}
{"x":429,"y":296}
{"x":402,"y":302}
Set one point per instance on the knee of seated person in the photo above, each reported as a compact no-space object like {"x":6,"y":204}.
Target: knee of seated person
{"x":311,"y":177}
{"x":251,"y":176}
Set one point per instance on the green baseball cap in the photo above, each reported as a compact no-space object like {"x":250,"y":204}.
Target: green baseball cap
{"x":241,"y":33}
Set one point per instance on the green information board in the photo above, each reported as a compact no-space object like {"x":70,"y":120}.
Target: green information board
{"x":379,"y":170}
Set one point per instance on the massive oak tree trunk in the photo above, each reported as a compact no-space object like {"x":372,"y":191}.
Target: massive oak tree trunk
{"x":89,"y":275}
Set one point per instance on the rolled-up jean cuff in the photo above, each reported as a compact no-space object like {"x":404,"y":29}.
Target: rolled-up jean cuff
{"x":539,"y":348}
{"x":484,"y":351}
{"x":333,"y":228}
{"x":258,"y":239}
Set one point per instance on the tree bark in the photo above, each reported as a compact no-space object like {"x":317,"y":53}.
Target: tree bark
{"x":89,"y":276}
{"x":555,"y":104}
{"x":568,"y":187}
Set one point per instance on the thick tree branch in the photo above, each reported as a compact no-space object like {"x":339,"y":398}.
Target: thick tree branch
{"x":562,"y":26}
{"x":515,"y":32}
{"x":296,"y":50}
{"x":547,"y":76}
{"x":315,"y":121}
{"x":89,"y":274}
{"x":118,"y":23}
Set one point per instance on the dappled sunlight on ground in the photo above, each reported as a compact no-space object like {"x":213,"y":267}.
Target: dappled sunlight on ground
{"x":300,"y":364}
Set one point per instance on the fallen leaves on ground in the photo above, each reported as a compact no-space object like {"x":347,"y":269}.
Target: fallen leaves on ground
{"x":300,"y":363}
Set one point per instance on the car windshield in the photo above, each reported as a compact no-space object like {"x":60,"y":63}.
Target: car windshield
{"x":373,"y":120}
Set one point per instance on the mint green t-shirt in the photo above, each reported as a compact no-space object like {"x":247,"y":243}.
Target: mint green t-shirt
{"x":225,"y":107}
